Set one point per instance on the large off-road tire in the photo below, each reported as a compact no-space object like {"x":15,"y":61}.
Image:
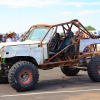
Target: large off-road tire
{"x":23,"y":76}
{"x":69,"y":72}
{"x":93,"y":69}
{"x":3,"y":79}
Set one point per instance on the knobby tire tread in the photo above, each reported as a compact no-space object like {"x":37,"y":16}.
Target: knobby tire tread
{"x":12,"y":72}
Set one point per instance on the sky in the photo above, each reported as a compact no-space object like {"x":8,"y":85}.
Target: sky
{"x":20,"y":15}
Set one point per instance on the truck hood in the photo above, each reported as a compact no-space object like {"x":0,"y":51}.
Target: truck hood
{"x":27,"y":42}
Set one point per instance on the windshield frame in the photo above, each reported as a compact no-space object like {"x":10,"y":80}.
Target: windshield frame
{"x":37,"y":38}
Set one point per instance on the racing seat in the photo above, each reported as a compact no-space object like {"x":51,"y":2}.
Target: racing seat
{"x":54,"y":43}
{"x":66,"y":42}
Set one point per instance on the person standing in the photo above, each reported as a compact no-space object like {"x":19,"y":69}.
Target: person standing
{"x":10,"y":36}
{"x":22,"y":38}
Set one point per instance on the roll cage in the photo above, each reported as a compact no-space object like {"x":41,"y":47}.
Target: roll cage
{"x":59,"y":58}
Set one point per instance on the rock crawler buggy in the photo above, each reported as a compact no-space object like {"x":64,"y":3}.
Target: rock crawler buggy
{"x":45,"y":49}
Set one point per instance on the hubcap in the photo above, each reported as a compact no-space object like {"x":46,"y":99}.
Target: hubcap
{"x":25,"y":77}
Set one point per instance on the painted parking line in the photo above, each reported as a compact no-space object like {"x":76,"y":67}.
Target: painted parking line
{"x":55,"y":92}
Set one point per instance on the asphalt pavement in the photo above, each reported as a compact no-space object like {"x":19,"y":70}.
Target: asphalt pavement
{"x":54,"y":85}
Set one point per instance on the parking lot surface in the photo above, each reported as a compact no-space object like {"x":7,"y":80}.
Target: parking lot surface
{"x":54,"y":85}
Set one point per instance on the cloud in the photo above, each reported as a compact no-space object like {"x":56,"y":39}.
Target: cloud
{"x":78,"y":5}
{"x":82,"y":12}
{"x":88,"y":12}
{"x":66,"y":13}
{"x":25,"y":2}
{"x":42,"y":3}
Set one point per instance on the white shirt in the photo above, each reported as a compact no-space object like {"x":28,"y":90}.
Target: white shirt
{"x":9,"y":40}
